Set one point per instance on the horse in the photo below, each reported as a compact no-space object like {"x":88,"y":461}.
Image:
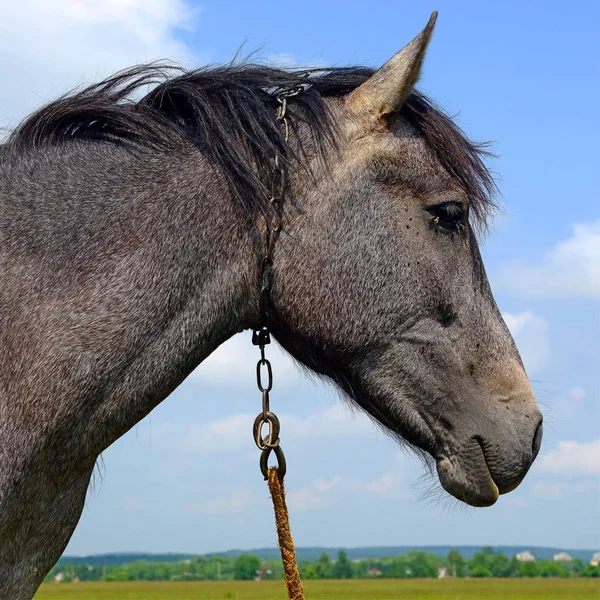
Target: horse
{"x":133,"y":219}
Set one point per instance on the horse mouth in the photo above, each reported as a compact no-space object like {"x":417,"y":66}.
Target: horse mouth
{"x":477,"y":471}
{"x":475,"y":467}
{"x":467,"y":476}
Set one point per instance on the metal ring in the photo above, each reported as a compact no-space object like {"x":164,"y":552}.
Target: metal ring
{"x":265,"y":362}
{"x":282,"y":107}
{"x":264,"y":459}
{"x":290,"y":91}
{"x":272,"y":439}
{"x":287,"y":128}
{"x":261,"y":337}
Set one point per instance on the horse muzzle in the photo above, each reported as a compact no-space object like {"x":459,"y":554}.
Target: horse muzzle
{"x":478,"y":470}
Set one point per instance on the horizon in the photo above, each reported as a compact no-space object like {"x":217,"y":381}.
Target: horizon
{"x":187,"y":475}
{"x":275,"y":549}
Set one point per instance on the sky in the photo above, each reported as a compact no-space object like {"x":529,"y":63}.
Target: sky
{"x":525,"y":75}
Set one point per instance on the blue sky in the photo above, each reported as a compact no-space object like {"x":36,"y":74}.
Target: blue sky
{"x":525,"y":75}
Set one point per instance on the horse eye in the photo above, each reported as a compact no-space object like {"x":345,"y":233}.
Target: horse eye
{"x":450,"y":215}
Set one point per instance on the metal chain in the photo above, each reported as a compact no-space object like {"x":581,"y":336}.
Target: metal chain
{"x":261,"y":337}
{"x":270,"y":442}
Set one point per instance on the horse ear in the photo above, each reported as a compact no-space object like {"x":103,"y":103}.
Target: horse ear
{"x":385,"y":91}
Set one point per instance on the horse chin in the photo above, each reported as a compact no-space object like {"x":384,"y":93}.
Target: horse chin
{"x":468,"y":478}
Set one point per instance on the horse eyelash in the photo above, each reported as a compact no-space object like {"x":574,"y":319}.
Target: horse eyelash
{"x":434,"y":223}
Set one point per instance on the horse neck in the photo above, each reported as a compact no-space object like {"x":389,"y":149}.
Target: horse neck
{"x":119,"y":275}
{"x":134,"y":269}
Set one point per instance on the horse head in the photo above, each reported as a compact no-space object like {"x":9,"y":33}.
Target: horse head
{"x":379,"y":285}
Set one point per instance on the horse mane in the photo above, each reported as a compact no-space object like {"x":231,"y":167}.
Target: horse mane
{"x":229,"y":113}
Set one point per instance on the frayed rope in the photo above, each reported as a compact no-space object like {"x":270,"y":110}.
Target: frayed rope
{"x":284,"y":535}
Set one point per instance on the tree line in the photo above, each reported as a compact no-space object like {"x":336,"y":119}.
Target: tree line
{"x":414,"y":564}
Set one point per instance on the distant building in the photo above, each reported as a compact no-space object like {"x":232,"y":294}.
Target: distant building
{"x":374,"y":572}
{"x":562,"y":556}
{"x":595,"y":560}
{"x":59,"y":577}
{"x":263,"y":573}
{"x":444,"y":571}
{"x":525,"y":556}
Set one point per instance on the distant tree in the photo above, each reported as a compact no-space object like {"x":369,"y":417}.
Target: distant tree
{"x":245,"y":567}
{"x":576,"y":567}
{"x":397,"y":567}
{"x":478,"y":563}
{"x":488,"y":551}
{"x":514,"y":567}
{"x":342,"y":569}
{"x":211,"y":568}
{"x":457,"y":562}
{"x":422,"y":564}
{"x":323,"y":566}
{"x":275,"y":567}
{"x":529,"y":569}
{"x":480,"y":571}
{"x":479,"y":559}
{"x":310,"y":572}
{"x":163,"y":571}
{"x":552,"y":569}
{"x":499,"y":565}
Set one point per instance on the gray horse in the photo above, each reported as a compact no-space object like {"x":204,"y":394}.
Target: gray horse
{"x":131,"y":243}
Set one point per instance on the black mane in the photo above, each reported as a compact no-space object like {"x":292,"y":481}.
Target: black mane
{"x":228,"y":112}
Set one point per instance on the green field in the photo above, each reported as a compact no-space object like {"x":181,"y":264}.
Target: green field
{"x":390,"y":589}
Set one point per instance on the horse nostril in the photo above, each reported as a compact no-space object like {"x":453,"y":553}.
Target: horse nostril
{"x":537,"y":439}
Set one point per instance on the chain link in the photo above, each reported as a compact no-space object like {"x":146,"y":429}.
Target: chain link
{"x":261,"y":337}
{"x":270,"y":442}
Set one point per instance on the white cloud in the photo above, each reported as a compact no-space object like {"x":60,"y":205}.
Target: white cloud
{"x":389,"y":485}
{"x":542,"y":488}
{"x":282,"y":60}
{"x":577,"y":394}
{"x":531,"y":336}
{"x":337,"y":421}
{"x":234,"y":503}
{"x":323,"y":493}
{"x":233,"y":433}
{"x":234,"y":363}
{"x":569,"y":270}
{"x":132,"y":504}
{"x":324,"y":485}
{"x":566,"y":406}
{"x":572,"y":458}
{"x":314,"y":496}
{"x":47,"y":48}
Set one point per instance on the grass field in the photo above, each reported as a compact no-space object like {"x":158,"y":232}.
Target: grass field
{"x":391,"y":589}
